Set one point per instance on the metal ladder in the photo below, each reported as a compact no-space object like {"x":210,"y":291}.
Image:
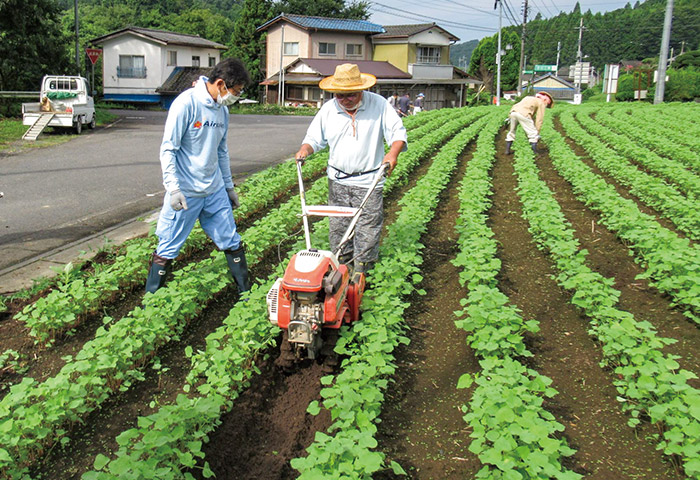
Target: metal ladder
{"x":38,"y":126}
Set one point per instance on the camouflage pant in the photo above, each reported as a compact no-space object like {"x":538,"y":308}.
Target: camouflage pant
{"x":364,"y":246}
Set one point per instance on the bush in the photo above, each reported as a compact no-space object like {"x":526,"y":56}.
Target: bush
{"x":629,"y":83}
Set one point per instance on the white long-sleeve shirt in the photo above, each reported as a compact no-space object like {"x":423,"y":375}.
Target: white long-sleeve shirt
{"x":356,"y":145}
{"x":194,"y":154}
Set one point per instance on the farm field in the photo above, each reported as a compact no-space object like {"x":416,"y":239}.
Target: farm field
{"x":531,"y":317}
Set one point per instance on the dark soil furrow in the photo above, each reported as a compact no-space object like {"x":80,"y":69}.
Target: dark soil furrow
{"x":621,"y":190}
{"x":608,"y":256}
{"x":422,"y":427}
{"x":586,"y":404}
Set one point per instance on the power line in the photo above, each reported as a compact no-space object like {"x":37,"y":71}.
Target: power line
{"x":512,"y":18}
{"x":417,"y":16}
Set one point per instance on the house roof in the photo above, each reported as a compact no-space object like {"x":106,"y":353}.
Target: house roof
{"x":564,"y":83}
{"x":405,"y":31}
{"x":323,"y":67}
{"x":161,"y":36}
{"x":326,"y":67}
{"x":325,"y":23}
{"x":181,"y":79}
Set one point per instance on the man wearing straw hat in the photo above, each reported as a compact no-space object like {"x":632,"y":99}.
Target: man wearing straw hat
{"x":355,"y":125}
{"x":522,"y":113}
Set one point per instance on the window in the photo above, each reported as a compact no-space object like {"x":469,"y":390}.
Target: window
{"x":295,"y":93}
{"x":315,"y":93}
{"x":353,"y":49}
{"x":326,"y":48}
{"x":428,"y":55}
{"x":291,"y":48}
{"x":212,"y":61}
{"x":195,"y":60}
{"x":172,"y":58}
{"x":131,"y":66}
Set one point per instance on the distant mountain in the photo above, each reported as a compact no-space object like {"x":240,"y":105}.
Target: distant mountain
{"x":460,"y":50}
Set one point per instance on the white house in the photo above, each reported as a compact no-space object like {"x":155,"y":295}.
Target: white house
{"x":136,"y":61}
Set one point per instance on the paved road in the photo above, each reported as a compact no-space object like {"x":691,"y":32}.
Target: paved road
{"x":60,"y":194}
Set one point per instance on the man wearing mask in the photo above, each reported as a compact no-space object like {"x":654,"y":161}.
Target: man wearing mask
{"x":196,"y":169}
{"x":355,"y":125}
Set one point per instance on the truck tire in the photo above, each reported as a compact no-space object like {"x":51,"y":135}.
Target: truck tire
{"x":93,"y":122}
{"x":78,"y":126}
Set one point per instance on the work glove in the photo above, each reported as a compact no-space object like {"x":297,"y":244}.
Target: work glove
{"x":178,"y":200}
{"x":233,"y":198}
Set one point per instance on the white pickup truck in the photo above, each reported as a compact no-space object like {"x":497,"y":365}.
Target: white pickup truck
{"x":63,"y":102}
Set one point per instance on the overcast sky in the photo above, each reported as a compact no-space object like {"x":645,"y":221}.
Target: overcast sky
{"x":475,"y":19}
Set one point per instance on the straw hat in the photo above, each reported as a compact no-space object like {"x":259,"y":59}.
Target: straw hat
{"x":347,"y":78}
{"x":546,"y":94}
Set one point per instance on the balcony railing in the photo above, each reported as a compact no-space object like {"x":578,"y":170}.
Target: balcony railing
{"x":131,"y":72}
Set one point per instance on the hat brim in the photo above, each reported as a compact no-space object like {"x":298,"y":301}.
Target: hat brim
{"x":328,"y":84}
{"x":551,"y":100}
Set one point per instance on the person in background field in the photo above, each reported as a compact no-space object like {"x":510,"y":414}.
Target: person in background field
{"x":355,"y":125}
{"x":393,"y":98}
{"x":196,"y":169}
{"x":418,"y":104}
{"x":522,"y":113}
{"x":404,"y":105}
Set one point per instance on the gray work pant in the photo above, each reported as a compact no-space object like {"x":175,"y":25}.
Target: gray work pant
{"x":364,"y":246}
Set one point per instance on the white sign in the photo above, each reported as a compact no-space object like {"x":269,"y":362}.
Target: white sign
{"x":612,"y":73}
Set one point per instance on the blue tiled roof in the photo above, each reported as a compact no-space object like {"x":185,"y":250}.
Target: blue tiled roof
{"x":325,"y":23}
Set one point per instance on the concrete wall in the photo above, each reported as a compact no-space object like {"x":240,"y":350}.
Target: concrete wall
{"x":395,"y":53}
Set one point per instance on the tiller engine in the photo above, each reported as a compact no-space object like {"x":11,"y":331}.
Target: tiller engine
{"x":317,"y":293}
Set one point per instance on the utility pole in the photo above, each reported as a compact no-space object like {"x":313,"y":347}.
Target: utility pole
{"x":522,"y":51}
{"x":498,"y":55}
{"x":663,"y":56}
{"x":579,"y":57}
{"x":77,"y":40}
{"x":280,"y":93}
{"x":558,"y":52}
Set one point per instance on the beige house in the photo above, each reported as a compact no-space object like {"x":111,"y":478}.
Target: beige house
{"x":405,"y":58}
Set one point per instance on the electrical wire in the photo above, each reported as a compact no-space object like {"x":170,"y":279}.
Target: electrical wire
{"x":417,"y":16}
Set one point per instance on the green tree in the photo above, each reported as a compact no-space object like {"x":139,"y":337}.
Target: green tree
{"x":248,"y":44}
{"x":326,"y":8}
{"x":483,"y":61}
{"x":32,"y":43}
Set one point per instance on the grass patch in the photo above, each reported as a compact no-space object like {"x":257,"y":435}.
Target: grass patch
{"x":11,"y":131}
{"x":268,"y":109}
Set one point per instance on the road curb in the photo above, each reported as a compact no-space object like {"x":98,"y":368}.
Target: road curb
{"x":23,"y":274}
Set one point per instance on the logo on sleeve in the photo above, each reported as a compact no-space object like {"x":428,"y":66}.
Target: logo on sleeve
{"x":197,"y":124}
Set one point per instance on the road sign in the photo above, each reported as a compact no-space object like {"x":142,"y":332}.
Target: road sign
{"x":546,"y":68}
{"x":93,"y":54}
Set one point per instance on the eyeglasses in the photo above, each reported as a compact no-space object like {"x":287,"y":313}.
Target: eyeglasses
{"x":341,"y":96}
{"x":235,"y":93}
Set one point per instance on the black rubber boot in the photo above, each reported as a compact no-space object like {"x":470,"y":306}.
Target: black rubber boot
{"x":363,"y":267}
{"x":508,"y":150}
{"x":160,"y":267}
{"x":534,"y":148}
{"x":239,"y":268}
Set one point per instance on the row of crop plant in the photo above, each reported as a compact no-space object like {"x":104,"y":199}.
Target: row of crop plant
{"x":648,"y":138}
{"x":670,"y":170}
{"x":170,"y":439}
{"x":678,"y":130}
{"x":671,"y":263}
{"x":512,"y":434}
{"x":650,"y":383}
{"x":66,"y":307}
{"x":354,"y":397}
{"x":651,"y":190}
{"x":33,"y":415}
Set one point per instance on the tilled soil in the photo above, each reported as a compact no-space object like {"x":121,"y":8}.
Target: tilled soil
{"x":422,"y":426}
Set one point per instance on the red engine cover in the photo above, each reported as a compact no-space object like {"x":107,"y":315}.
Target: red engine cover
{"x":305,"y":271}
